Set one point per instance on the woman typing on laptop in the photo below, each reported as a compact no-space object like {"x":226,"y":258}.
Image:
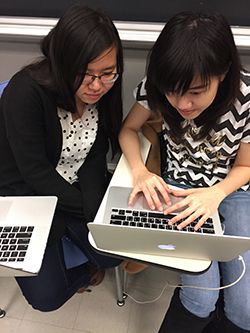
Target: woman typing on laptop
{"x":195,"y":79}
{"x":58,"y":116}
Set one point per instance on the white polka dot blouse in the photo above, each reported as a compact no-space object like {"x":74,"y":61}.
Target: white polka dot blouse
{"x":78,"y":138}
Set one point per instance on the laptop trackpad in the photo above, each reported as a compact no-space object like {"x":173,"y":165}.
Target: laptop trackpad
{"x":4,"y":209}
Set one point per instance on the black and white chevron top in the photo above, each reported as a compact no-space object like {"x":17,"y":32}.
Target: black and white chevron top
{"x":205,"y":162}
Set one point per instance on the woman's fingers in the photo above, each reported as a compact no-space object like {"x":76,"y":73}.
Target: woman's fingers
{"x":165,"y":191}
{"x":152,"y":198}
{"x":133,"y":197}
{"x":191,"y":210}
{"x":177,"y":207}
{"x":155,"y":191}
{"x":149,"y":194}
{"x":182,"y":193}
{"x":189,"y":216}
{"x":184,"y":214}
{"x":159,"y":192}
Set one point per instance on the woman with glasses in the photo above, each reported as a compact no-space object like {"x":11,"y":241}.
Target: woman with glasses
{"x":58,"y":117}
{"x":196,"y":81}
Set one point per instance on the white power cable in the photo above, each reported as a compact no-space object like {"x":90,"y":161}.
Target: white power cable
{"x":190,"y":286}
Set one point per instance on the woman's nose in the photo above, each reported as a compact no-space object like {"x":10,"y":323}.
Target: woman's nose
{"x":96,"y":84}
{"x":183,"y":103}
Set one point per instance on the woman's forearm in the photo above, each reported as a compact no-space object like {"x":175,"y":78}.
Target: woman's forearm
{"x":237,"y":177}
{"x":130,"y":145}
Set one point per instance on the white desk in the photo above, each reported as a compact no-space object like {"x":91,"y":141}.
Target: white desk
{"x":122,"y":177}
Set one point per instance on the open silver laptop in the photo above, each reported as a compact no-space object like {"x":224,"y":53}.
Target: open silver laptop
{"x":138,"y":230}
{"x":24,"y":229}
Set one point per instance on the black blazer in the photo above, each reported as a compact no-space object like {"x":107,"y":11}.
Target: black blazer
{"x":30,"y":145}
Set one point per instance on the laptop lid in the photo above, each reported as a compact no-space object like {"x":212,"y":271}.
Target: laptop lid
{"x":25,"y":223}
{"x":160,"y":242}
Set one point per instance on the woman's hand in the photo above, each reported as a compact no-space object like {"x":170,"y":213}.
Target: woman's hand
{"x":152,"y":186}
{"x":197,"y":203}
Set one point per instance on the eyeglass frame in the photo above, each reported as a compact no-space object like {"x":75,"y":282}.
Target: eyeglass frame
{"x":99,"y":77}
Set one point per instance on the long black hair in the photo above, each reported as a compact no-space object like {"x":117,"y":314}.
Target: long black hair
{"x":191,"y":45}
{"x":79,"y":37}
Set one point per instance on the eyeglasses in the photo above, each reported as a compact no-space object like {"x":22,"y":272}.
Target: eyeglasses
{"x":106,"y":78}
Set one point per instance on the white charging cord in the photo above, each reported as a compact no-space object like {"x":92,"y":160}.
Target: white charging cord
{"x":190,"y":286}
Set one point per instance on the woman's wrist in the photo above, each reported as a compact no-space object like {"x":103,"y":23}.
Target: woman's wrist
{"x":220,"y":193}
{"x":138,"y":170}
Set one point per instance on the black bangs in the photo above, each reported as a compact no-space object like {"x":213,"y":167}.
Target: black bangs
{"x":174,"y":73}
{"x":99,"y":39}
{"x":175,"y":80}
{"x":185,"y":51}
{"x":193,"y":47}
{"x":86,"y":47}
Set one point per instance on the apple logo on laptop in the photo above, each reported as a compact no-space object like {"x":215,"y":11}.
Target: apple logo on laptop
{"x":169,"y":247}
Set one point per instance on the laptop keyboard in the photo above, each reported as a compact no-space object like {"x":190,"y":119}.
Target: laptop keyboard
{"x":14,"y":242}
{"x":154,"y":220}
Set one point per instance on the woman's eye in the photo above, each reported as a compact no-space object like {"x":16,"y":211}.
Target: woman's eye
{"x":195,"y":93}
{"x":107,"y":75}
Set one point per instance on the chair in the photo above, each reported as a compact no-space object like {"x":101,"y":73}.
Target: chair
{"x":120,"y":278}
{"x":3,"y":84}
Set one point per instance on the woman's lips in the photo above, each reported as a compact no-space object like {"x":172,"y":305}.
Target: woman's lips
{"x":92,"y":96}
{"x":186,"y":112}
